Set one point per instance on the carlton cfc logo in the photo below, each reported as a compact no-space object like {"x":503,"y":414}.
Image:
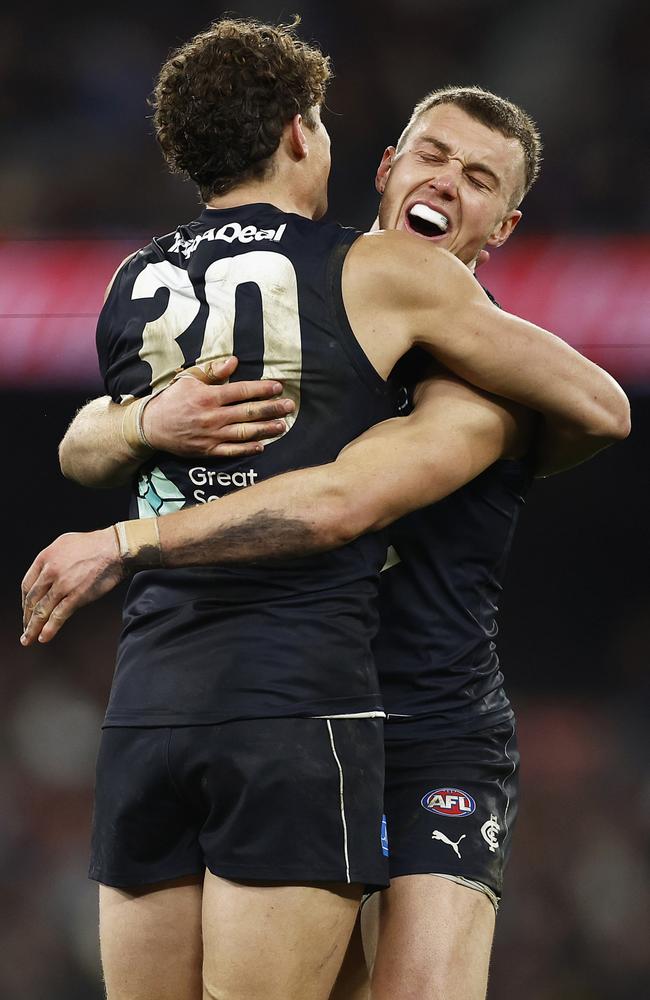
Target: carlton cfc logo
{"x":449,"y":802}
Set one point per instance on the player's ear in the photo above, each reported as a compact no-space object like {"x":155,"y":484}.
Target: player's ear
{"x":383,"y":169}
{"x":297,"y":139}
{"x":504,"y":229}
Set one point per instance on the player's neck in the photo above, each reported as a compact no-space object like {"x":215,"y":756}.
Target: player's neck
{"x":280,"y":194}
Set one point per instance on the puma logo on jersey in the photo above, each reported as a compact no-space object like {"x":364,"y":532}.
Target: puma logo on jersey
{"x":437,"y":835}
{"x":229,"y":233}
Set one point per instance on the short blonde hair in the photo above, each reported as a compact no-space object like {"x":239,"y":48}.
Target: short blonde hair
{"x":496,"y":113}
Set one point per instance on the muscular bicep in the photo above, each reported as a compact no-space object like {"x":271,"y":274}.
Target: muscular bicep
{"x":483,"y":427}
{"x":423,"y":295}
{"x":453,"y":434}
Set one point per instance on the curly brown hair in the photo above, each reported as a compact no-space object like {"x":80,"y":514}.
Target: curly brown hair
{"x":223,"y":99}
{"x":496,"y":113}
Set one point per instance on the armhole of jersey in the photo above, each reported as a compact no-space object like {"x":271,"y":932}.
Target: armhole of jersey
{"x":118,"y":270}
{"x":349,"y":342}
{"x":490,"y":296}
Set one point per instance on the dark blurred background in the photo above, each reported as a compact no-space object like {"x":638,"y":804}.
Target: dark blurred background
{"x":81,"y":183}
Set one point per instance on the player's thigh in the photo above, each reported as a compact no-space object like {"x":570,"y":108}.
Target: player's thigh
{"x":451,"y":802}
{"x":287,"y":801}
{"x":150,"y":941}
{"x":144,"y":830}
{"x":147,"y":858}
{"x":434,"y":939}
{"x":274,"y":942}
{"x":353,"y":980}
{"x":292,"y":834}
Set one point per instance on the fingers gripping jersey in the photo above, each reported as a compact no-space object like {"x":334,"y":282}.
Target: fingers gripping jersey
{"x":209,"y":644}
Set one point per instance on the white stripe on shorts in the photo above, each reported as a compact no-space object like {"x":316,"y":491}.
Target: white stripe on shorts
{"x":514,"y":768}
{"x":353,"y":715}
{"x":341,"y":803}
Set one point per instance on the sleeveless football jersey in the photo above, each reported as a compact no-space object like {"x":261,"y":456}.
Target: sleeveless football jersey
{"x":288,"y":638}
{"x":439,"y":595}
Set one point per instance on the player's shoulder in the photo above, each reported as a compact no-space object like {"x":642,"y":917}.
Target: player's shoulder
{"x":405,"y":256}
{"x":399,"y":248}
{"x":119,"y":270}
{"x":409,"y":271}
{"x":134,"y":262}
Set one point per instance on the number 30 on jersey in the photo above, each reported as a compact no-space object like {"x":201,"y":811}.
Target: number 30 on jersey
{"x":275,"y":277}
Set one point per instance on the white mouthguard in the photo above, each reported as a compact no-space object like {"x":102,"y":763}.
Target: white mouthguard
{"x":429,"y":215}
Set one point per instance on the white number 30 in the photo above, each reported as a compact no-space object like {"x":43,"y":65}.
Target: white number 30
{"x":275,"y":277}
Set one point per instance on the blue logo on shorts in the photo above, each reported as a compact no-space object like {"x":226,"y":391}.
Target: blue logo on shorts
{"x":384,"y":837}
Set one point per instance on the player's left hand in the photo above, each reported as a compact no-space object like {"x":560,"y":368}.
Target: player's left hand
{"x":74,"y":570}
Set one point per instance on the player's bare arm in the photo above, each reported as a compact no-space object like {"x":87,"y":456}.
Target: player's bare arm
{"x":423,"y":295}
{"x":504,"y":353}
{"x":206,"y":416}
{"x":453,"y":434}
{"x":446,"y":312}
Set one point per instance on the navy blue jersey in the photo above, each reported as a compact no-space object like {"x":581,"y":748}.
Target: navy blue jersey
{"x":292,"y":638}
{"x":439,"y":596}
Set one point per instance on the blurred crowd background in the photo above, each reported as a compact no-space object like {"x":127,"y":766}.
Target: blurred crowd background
{"x":79,"y":162}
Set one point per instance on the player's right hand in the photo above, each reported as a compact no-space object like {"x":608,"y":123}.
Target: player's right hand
{"x":74,"y":570}
{"x":215,"y":416}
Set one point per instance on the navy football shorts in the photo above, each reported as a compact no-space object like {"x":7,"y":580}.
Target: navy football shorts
{"x":450,"y":801}
{"x":265,"y":800}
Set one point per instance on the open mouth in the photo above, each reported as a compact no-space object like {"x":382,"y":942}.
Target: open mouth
{"x":426,"y":221}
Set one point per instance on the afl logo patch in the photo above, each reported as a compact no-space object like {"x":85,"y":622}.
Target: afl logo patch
{"x":449,"y":802}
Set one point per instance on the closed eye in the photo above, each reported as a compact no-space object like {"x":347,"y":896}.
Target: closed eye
{"x":478,"y":184}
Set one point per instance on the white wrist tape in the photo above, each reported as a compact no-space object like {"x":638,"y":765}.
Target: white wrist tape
{"x":139,"y":543}
{"x":132,"y":430}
